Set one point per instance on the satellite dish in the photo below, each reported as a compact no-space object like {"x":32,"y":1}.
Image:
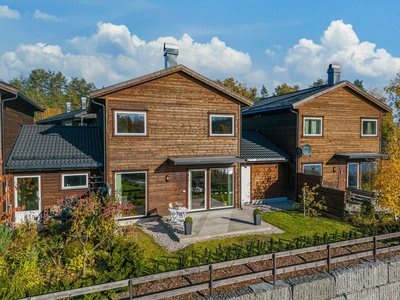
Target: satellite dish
{"x":306,"y":150}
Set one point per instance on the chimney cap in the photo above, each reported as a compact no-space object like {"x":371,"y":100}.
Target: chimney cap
{"x":170,"y":48}
{"x":333,"y":66}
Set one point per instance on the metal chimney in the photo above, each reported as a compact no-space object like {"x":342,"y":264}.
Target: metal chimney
{"x":68,"y":106}
{"x":83,"y":102}
{"x":171,"y":54}
{"x":334,"y":72}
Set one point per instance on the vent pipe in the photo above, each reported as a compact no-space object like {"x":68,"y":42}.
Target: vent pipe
{"x":334,"y":73}
{"x":171,"y":55}
{"x":83,"y":102}
{"x":68,"y":106}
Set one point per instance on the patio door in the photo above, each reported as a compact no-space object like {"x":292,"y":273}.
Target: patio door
{"x":27,"y":193}
{"x":352,"y":175}
{"x":197,"y":189}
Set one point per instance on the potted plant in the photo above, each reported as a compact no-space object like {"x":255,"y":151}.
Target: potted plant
{"x":188,"y":225}
{"x":178,"y":205}
{"x":257,"y":216}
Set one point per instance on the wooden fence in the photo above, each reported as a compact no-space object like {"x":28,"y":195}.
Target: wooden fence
{"x":212,"y":283}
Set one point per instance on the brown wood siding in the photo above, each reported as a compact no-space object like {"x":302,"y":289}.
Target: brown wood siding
{"x":268,"y":181}
{"x":342,"y":112}
{"x":15,"y":115}
{"x":178,"y":126}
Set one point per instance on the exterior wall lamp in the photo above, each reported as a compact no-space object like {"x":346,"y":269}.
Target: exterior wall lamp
{"x":167,"y":178}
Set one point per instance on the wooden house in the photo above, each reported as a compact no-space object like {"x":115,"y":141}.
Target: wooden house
{"x":171,"y":136}
{"x":333,"y":130}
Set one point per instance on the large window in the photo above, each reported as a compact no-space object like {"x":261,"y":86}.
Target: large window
{"x":74,"y":181}
{"x":352,"y":175}
{"x":28,"y":193}
{"x":312,"y":126}
{"x":130,"y":123}
{"x":313,"y":169}
{"x":221,"y":125}
{"x":367,"y":172}
{"x":221,"y":187}
{"x":369,"y":127}
{"x":131,"y":188}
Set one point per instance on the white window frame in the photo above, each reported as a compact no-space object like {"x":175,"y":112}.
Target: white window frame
{"x":19,"y":215}
{"x":145,"y":196}
{"x":233,"y":191}
{"x":304,"y":126}
{"x":63,"y":187}
{"x":304,"y":165}
{"x":358,"y":174}
{"x":369,"y":120}
{"x":206,"y":192}
{"x":225,"y":116}
{"x":132,"y":113}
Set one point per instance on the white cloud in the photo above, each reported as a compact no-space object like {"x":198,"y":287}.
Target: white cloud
{"x":278,"y":69}
{"x":278,"y":46}
{"x":114,"y":54}
{"x":8,"y":13}
{"x":257,"y":77}
{"x":270,"y":52}
{"x":43,"y":16}
{"x":340,"y":44}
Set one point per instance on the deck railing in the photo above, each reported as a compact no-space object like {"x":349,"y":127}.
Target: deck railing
{"x":213,"y":283}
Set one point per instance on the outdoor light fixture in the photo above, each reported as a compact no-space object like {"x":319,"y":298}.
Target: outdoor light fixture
{"x":334,"y":169}
{"x":167,"y":178}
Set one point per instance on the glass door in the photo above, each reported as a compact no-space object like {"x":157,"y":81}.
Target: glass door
{"x":197,"y":189}
{"x":27,"y":194}
{"x":352,"y":175}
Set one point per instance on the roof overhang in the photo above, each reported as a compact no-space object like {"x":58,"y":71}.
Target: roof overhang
{"x":348,"y":85}
{"x":361,"y":156}
{"x":266,"y":160}
{"x":179,"y":68}
{"x":206,"y":160}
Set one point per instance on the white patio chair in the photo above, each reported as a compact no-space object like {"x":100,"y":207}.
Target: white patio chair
{"x":181,"y":216}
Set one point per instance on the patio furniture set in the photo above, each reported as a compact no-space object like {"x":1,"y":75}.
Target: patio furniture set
{"x":178,"y":216}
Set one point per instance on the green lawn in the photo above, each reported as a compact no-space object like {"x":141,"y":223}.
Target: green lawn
{"x":295,"y":224}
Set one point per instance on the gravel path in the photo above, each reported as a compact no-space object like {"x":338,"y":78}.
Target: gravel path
{"x":165,"y":238}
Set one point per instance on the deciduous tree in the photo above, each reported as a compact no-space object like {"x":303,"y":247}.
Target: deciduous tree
{"x":285,"y":88}
{"x":319,"y":82}
{"x":240,"y":88}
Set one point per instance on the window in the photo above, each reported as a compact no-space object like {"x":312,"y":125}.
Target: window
{"x":369,"y":127}
{"x":74,"y":181}
{"x":131,"y":188}
{"x":221,"y":125}
{"x":352,"y":174}
{"x":314,"y":169}
{"x":221,"y":187}
{"x":130,"y":123}
{"x":28,"y":192}
{"x":367,"y":172}
{"x":313,"y":126}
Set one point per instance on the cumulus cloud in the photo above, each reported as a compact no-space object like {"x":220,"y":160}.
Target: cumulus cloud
{"x":8,"y":13}
{"x":340,"y":44}
{"x":257,"y":77}
{"x":270,"y":53}
{"x":278,"y":69}
{"x":114,"y":54}
{"x":43,"y":16}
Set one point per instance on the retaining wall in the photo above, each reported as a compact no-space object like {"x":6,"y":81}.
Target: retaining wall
{"x":368,"y":281}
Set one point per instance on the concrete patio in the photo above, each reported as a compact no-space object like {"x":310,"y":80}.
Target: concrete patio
{"x":219,"y":223}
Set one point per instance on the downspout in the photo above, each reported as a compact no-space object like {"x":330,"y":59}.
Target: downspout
{"x":296,"y":154}
{"x":2,"y":133}
{"x":104,"y":140}
{"x":240,"y":166}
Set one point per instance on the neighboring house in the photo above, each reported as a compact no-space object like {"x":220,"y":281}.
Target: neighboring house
{"x":72,"y":117}
{"x":341,"y":123}
{"x":171,"y":136}
{"x":48,"y":162}
{"x":265,"y":173}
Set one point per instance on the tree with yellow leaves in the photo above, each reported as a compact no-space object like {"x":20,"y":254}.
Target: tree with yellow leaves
{"x":240,"y":88}
{"x":386,"y":177}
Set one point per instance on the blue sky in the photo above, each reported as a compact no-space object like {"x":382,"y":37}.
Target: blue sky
{"x":257,"y":42}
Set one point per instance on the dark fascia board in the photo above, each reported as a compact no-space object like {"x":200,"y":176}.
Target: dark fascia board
{"x":179,"y":68}
{"x":53,"y":167}
{"x":352,"y":87}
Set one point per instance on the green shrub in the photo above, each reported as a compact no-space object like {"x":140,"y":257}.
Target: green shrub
{"x":188,"y":220}
{"x":367,"y":209}
{"x":257,"y":211}
{"x":75,"y":247}
{"x":5,"y":237}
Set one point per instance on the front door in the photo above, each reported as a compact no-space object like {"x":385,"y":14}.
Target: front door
{"x":246,"y":177}
{"x":27,"y":193}
{"x":352,"y":175}
{"x":197,"y":189}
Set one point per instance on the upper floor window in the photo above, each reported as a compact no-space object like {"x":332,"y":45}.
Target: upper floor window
{"x":221,"y":125}
{"x":369,"y":127}
{"x":130,"y":123}
{"x":75,"y":181}
{"x":312,"y":126}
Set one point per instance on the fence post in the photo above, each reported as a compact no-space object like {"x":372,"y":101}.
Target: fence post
{"x":329,"y":258}
{"x":375,"y":246}
{"x":274,"y":266}
{"x":130,"y":289}
{"x":211,"y":279}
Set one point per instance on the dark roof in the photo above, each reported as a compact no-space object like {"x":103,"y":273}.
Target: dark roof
{"x":12,"y":90}
{"x":206,"y":160}
{"x":298,"y":98}
{"x":64,"y":116}
{"x":55,"y":147}
{"x":255,"y":146}
{"x":283,"y":101}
